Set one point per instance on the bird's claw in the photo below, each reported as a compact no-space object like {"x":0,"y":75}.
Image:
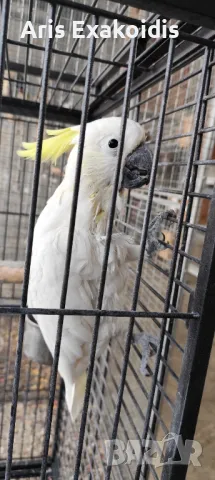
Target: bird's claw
{"x":149,"y":345}
{"x":154,"y":243}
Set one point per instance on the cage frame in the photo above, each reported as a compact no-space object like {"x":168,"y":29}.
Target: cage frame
{"x":201,"y":323}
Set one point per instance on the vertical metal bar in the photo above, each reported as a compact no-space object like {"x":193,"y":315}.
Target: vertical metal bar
{"x":85,"y":108}
{"x":143,"y":245}
{"x":9,"y":187}
{"x":7,"y":59}
{"x":8,"y":355}
{"x":25,"y":405}
{"x":57,"y":17}
{"x":17,"y":368}
{"x":21,"y":200}
{"x":123,"y":9}
{"x":176,"y":247}
{"x":8,"y":70}
{"x":69,"y":58}
{"x":129,"y":78}
{"x":30,"y":10}
{"x":103,"y":376}
{"x":196,"y":356}
{"x":39,"y":375}
{"x":58,"y":419}
{"x":136,"y":114}
{"x":3,"y":39}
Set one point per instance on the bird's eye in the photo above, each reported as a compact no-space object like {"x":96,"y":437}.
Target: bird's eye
{"x":113,"y":143}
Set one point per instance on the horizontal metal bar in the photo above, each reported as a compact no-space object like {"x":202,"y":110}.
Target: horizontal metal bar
{"x":159,"y":268}
{"x":184,"y":54}
{"x":23,"y":214}
{"x":32,"y":395}
{"x":200,"y":228}
{"x":204,"y":162}
{"x":169,"y":112}
{"x":23,"y":120}
{"x":128,"y":20}
{"x":176,"y":191}
{"x":198,"y":15}
{"x":24,"y":464}
{"x":172,"y":85}
{"x":29,"y":468}
{"x":50,"y":87}
{"x":172,"y":164}
{"x":84,"y":7}
{"x":182,"y":253}
{"x":197,"y":39}
{"x":207,"y":129}
{"x":17,"y":106}
{"x":173,"y":137}
{"x":183,"y":164}
{"x":12,"y":309}
{"x":64,"y":53}
{"x":37,"y":72}
{"x":149,"y":58}
{"x":27,"y":473}
{"x":200,"y":195}
{"x":183,"y":285}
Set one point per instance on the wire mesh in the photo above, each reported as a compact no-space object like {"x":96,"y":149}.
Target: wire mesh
{"x":167,"y":86}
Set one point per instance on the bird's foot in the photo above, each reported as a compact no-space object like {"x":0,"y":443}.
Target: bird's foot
{"x":156,"y":238}
{"x":149,"y":345}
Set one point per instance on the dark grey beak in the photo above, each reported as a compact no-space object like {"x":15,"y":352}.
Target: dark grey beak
{"x":137,"y":169}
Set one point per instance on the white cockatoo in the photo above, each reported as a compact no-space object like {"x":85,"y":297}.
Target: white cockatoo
{"x":50,"y":241}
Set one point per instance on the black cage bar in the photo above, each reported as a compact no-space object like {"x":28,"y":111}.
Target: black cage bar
{"x":167,"y":85}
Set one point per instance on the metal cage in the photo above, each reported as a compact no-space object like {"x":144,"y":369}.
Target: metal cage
{"x":168,"y":86}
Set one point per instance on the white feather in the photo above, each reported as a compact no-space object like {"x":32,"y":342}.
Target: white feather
{"x":49,"y":251}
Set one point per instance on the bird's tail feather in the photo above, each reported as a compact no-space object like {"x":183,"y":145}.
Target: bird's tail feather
{"x":75,"y":402}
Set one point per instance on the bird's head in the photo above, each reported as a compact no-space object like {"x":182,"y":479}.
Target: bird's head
{"x":100,"y":155}
{"x":101,"y":148}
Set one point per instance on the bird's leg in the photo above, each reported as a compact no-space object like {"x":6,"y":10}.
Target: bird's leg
{"x":154,"y":242}
{"x":147,"y":341}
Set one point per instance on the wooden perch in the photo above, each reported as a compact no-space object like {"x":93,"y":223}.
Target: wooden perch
{"x":11,"y":271}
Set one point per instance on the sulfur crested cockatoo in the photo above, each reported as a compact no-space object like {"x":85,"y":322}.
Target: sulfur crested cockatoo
{"x":50,"y":241}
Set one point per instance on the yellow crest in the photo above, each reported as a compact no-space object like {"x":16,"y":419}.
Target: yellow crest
{"x":52,"y":148}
